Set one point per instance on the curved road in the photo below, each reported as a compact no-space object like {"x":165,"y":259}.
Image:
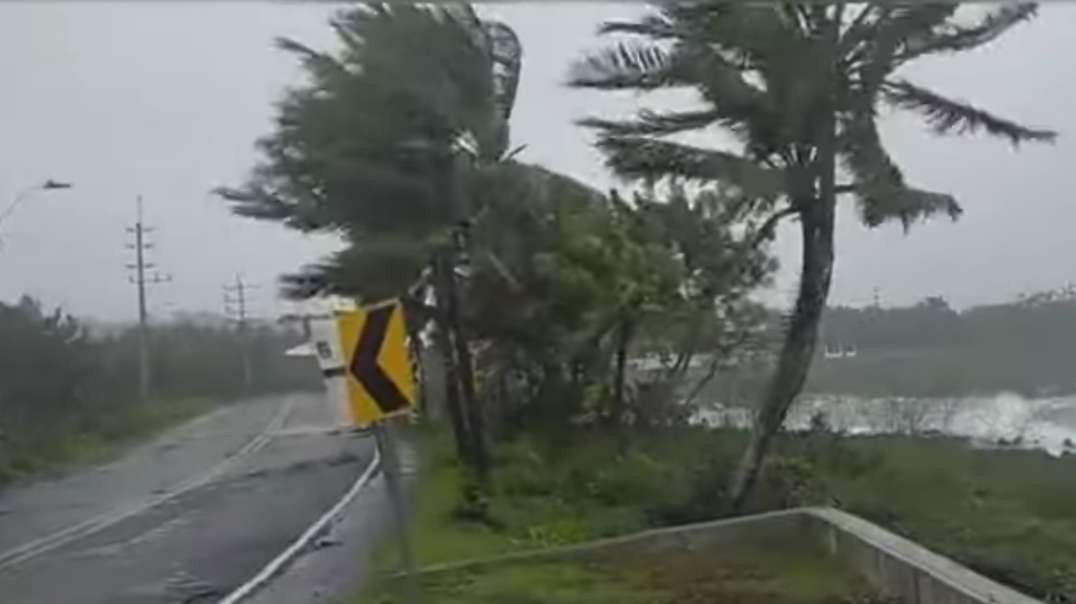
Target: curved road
{"x":187,"y":517}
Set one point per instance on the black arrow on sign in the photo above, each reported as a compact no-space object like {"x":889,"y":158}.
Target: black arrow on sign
{"x":364,"y":363}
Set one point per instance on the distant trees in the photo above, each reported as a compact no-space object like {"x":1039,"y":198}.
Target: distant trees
{"x":56,"y":380}
{"x":46,"y":360}
{"x":929,"y":349}
{"x":929,"y":323}
{"x":798,"y":86}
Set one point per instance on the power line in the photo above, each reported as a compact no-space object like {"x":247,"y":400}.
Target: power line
{"x":140,"y":266}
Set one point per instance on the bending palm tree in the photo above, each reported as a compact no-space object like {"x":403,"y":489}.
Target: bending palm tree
{"x":384,"y":146}
{"x":798,"y":85}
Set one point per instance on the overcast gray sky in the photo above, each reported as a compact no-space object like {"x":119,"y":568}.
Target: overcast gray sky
{"x":165,"y":100}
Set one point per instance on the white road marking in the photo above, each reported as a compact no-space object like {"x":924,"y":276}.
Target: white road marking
{"x":277,"y":564}
{"x":92,"y":525}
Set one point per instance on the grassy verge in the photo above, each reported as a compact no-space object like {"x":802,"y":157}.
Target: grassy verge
{"x":61,"y":446}
{"x":1007,"y":514}
{"x":640,"y":577}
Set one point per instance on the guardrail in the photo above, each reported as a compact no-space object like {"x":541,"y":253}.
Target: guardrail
{"x":896,"y":566}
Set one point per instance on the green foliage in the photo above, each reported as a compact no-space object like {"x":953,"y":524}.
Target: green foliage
{"x":546,"y":583}
{"x":799,"y":87}
{"x":374,"y":145}
{"x":65,"y":395}
{"x":407,"y":157}
{"x":567,"y":281}
{"x":1006,"y":514}
{"x":711,"y":574}
{"x":774,"y":75}
{"x":790,"y":482}
{"x":791,"y":574}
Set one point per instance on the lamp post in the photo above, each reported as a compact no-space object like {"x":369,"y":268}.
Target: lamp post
{"x":48,"y":185}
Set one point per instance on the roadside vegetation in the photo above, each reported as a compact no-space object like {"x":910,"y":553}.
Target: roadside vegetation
{"x":756,"y":575}
{"x":1005,"y":514}
{"x":562,"y":330}
{"x":69,"y":396}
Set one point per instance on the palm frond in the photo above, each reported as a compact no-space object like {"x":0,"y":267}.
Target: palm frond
{"x":719,"y":81}
{"x":951,"y":37}
{"x":875,"y":56}
{"x":637,"y":157}
{"x":879,"y":183}
{"x":736,"y":103}
{"x":947,"y":115}
{"x":654,"y":123}
{"x":860,"y":146}
{"x":655,"y":27}
{"x":680,"y":21}
{"x":322,"y":66}
{"x":373,"y":268}
{"x":255,"y":201}
{"x":908,"y":205}
{"x":634,"y":65}
{"x":507,"y":54}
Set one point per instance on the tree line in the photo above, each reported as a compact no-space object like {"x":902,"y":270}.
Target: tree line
{"x":930,"y":349}
{"x":539,"y":291}
{"x":58,"y":381}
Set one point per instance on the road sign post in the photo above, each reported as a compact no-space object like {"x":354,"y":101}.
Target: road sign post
{"x":366,"y":364}
{"x":390,"y":464}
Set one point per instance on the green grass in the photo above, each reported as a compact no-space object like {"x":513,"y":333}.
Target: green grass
{"x":437,"y":536}
{"x":1007,"y":514}
{"x":63,"y":446}
{"x":771,"y":576}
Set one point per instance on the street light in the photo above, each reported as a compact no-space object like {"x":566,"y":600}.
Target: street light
{"x":48,"y":185}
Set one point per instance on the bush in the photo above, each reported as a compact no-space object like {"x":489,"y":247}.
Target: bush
{"x":633,"y":477}
{"x":521,"y":470}
{"x":704,"y":498}
{"x":788,"y":482}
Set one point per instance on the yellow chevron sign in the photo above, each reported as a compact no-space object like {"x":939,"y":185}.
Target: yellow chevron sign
{"x":377,"y":366}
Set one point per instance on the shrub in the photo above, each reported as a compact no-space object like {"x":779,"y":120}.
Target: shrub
{"x":790,"y":482}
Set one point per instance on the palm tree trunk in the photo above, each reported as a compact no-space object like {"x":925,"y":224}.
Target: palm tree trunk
{"x":414,"y":342}
{"x":448,"y":358}
{"x":475,"y":417}
{"x":798,"y":350}
{"x":621,"y":372}
{"x":817,"y":218}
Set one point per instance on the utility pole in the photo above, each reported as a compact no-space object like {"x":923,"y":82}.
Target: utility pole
{"x":140,"y":266}
{"x":235,"y":306}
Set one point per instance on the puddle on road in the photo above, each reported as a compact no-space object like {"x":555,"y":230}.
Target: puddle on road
{"x":188,"y":589}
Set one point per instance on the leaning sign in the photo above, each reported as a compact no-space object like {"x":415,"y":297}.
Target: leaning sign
{"x":364,"y":358}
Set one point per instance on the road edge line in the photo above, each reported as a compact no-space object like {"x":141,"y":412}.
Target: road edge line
{"x":36,"y":547}
{"x":288,"y":555}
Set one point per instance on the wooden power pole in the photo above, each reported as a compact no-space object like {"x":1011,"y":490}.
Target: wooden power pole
{"x":139,"y":279}
{"x":236,"y":301}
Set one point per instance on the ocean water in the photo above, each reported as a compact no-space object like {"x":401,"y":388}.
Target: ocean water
{"x":1003,"y":419}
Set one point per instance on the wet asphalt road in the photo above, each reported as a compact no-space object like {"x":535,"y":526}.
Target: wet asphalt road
{"x":186,"y":518}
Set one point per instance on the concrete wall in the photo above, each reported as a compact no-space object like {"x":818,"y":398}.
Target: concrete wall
{"x":901,"y":567}
{"x":895,"y":565}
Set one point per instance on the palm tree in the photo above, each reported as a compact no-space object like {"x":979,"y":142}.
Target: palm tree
{"x":799,"y":86}
{"x":384,"y":146}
